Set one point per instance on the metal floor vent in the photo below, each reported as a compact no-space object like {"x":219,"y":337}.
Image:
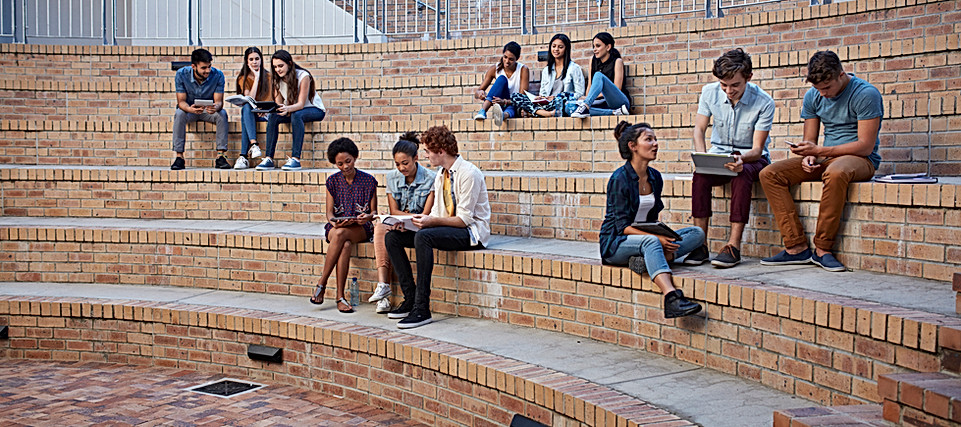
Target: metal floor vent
{"x":226,"y":387}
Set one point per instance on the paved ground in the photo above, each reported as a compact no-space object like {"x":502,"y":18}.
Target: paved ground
{"x":73,"y":394}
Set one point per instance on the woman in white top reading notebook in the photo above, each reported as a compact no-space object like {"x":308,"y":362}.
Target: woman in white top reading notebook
{"x":295,"y":92}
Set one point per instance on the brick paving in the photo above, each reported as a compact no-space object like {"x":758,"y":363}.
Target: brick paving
{"x":51,"y":393}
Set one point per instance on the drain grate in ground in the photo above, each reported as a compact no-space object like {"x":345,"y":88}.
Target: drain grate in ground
{"x":226,"y":387}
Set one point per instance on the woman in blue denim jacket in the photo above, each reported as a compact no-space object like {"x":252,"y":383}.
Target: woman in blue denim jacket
{"x":634,"y":195}
{"x":410,"y":187}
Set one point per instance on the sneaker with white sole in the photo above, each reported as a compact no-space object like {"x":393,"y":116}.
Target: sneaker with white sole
{"x":241,"y":163}
{"x":583,"y":111}
{"x":623,"y":111}
{"x":267,"y":164}
{"x":481,"y":115}
{"x":254,"y":152}
{"x":291,"y":165}
{"x":383,"y":306}
{"x":380,"y":292}
{"x":414,"y":319}
{"x":497,"y":113}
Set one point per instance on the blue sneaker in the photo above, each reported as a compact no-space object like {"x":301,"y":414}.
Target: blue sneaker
{"x":266,"y":165}
{"x":828,"y":262}
{"x":291,"y":165}
{"x":784,"y":258}
{"x":481,"y":115}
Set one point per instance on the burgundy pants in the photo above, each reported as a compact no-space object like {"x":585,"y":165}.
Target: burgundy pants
{"x":741,"y":186}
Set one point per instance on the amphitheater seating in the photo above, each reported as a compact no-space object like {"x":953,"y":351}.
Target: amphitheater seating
{"x":83,"y":183}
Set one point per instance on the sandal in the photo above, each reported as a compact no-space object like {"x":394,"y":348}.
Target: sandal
{"x":318,"y":297}
{"x":349,"y":309}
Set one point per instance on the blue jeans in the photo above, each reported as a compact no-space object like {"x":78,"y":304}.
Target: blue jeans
{"x":296,"y":120}
{"x":500,"y":90}
{"x":248,"y":127}
{"x":612,"y":95}
{"x":650,"y":248}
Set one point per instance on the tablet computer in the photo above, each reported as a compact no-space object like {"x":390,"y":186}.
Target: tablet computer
{"x":657,"y":228}
{"x":713,"y":164}
{"x":203,"y":102}
{"x":265,"y":107}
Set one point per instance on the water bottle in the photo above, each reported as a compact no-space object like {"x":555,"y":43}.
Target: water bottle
{"x":354,"y":293}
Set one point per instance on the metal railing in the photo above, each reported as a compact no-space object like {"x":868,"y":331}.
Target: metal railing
{"x":261,"y":22}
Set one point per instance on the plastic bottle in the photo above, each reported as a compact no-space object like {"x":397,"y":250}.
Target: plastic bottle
{"x":354,"y":292}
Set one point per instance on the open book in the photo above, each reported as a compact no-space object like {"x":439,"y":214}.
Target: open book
{"x":535,"y":98}
{"x":407,"y":220}
{"x":259,"y":106}
{"x":907,"y":178}
{"x":657,"y":228}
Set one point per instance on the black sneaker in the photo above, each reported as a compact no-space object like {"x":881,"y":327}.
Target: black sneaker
{"x":675,"y":305}
{"x":401,"y":311}
{"x":727,"y":258}
{"x":414,"y":319}
{"x":697,"y":256}
{"x":178,"y":164}
{"x":221,"y":163}
{"x":636,"y":264}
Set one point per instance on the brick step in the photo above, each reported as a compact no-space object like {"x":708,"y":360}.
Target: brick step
{"x":546,"y":144}
{"x":909,"y":230}
{"x":921,"y":399}
{"x":823,"y":336}
{"x":824,"y":416}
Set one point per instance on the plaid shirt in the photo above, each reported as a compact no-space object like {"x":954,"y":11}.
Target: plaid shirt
{"x":347,"y":195}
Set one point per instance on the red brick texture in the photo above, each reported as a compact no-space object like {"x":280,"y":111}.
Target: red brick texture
{"x":827,"y":348}
{"x":899,"y":229}
{"x":428,"y":381}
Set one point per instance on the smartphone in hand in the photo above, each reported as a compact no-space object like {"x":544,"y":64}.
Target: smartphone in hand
{"x":792,"y":144}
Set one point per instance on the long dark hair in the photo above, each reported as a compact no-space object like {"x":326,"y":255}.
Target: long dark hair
{"x":291,"y":78}
{"x":263,"y":89}
{"x":511,"y":47}
{"x":625,"y":132}
{"x":567,"y":54}
{"x":607,"y":39}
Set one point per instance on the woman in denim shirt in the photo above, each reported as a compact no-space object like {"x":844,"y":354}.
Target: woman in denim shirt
{"x":634,"y":195}
{"x":410,"y":187}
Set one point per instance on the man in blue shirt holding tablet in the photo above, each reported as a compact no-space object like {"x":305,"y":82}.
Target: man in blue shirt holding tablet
{"x":743,"y":114}
{"x":200,"y":96}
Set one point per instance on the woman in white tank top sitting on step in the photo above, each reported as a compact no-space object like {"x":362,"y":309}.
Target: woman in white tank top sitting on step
{"x":508,"y":77}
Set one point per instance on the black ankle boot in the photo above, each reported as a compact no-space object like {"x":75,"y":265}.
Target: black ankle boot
{"x":675,"y":305}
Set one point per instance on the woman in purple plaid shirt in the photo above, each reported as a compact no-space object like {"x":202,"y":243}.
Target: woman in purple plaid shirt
{"x":351,"y":205}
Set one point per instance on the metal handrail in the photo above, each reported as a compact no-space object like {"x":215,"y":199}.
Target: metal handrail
{"x":358,"y":21}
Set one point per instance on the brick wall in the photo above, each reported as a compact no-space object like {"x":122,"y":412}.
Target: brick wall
{"x":910,"y":52}
{"x":830,"y":349}
{"x":429,"y":381}
{"x":899,"y":229}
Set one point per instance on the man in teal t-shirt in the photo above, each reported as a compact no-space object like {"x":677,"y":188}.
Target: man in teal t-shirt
{"x":850,"y":110}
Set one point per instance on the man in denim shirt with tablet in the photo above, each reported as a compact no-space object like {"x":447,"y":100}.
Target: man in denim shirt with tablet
{"x":743,"y":114}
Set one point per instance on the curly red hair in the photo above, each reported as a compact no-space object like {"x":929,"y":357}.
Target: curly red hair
{"x":439,"y":138}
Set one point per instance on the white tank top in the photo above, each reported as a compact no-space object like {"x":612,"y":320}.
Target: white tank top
{"x":316,"y":101}
{"x":644,"y":205}
{"x":514,"y":81}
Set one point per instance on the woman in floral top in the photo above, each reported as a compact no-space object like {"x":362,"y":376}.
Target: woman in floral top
{"x":351,"y":202}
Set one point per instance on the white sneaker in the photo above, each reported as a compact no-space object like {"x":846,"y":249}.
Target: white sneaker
{"x":583,"y":111}
{"x":241,"y":163}
{"x":383,"y":306}
{"x":498,"y":114}
{"x":380,"y":292}
{"x":254,"y":152}
{"x":623,"y":111}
